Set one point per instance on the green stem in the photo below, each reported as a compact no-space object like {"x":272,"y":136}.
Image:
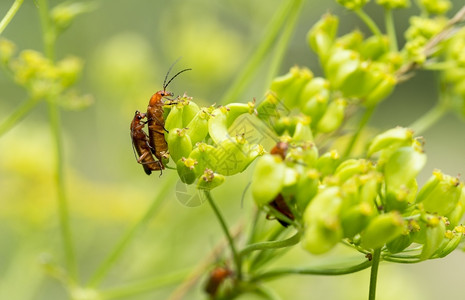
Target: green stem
{"x":267,"y":293}
{"x":283,"y":42}
{"x":55,"y":125}
{"x":119,"y":248}
{"x":17,"y":115}
{"x":312,"y":271}
{"x":271,"y":245}
{"x":262,"y":50}
{"x":144,"y":286}
{"x":429,"y":119}
{"x":374,"y":273}
{"x":365,"y":119}
{"x":219,"y":216}
{"x":391,"y":30}
{"x":10,"y":14}
{"x":368,"y":21}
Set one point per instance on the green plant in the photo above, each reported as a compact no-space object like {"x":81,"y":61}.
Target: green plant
{"x":323,"y":181}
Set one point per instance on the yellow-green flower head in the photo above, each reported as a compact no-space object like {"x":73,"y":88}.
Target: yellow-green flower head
{"x":353,"y":4}
{"x":391,"y":4}
{"x":7,"y":50}
{"x":438,"y":7}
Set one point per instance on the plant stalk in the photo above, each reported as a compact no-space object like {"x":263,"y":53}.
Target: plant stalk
{"x":363,"y":122}
{"x":17,"y":115}
{"x":10,"y":14}
{"x":219,"y":216}
{"x":374,"y":273}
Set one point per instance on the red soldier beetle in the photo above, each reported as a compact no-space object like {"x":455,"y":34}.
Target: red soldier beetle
{"x":216,"y":278}
{"x":155,"y":120}
{"x":140,"y":144}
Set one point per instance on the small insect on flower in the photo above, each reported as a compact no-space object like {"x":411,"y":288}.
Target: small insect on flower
{"x":155,"y":119}
{"x":140,"y":145}
{"x":216,"y":278}
{"x":278,"y":202}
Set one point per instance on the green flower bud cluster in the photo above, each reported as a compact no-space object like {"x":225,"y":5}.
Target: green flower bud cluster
{"x":201,"y":145}
{"x":358,"y":68}
{"x":438,"y":7}
{"x":43,"y":78}
{"x":393,"y":4}
{"x":421,"y":30}
{"x":454,"y":54}
{"x":353,"y":4}
{"x":64,"y":13}
{"x":372,"y":203}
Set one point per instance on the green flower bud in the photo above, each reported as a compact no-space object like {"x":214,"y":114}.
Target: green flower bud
{"x":268,"y":179}
{"x":186,"y":170}
{"x":307,"y":187}
{"x":333,"y":116}
{"x":438,"y":7}
{"x":352,"y":167}
{"x":399,"y":244}
{"x":353,"y":4}
{"x":179,"y":143}
{"x":434,"y":237}
{"x":197,"y":129}
{"x":223,"y":117}
{"x":7,"y":50}
{"x":316,"y":106}
{"x":321,"y":217}
{"x":382,"y":229}
{"x":209,"y":180}
{"x":313,"y":88}
{"x":321,"y":36}
{"x":381,"y":91}
{"x":203,"y":154}
{"x":356,"y":218}
{"x":371,"y":187}
{"x":302,"y":132}
{"x":340,"y":65}
{"x":452,"y":241}
{"x":350,"y":41}
{"x":189,"y":111}
{"x":64,"y":13}
{"x":403,"y":166}
{"x":374,"y":47}
{"x":456,"y":215}
{"x":440,"y":194}
{"x":392,"y":4}
{"x":306,"y":153}
{"x":174,"y":118}
{"x":391,"y":139}
{"x":328,"y":162}
{"x":288,"y":87}
{"x":69,"y":69}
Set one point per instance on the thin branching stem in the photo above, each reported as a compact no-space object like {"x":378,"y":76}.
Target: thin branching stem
{"x":17,"y":115}
{"x":55,"y":126}
{"x":271,"y":244}
{"x":368,"y":21}
{"x":232,"y":246}
{"x":391,"y":30}
{"x":273,"y":274}
{"x":119,"y":248}
{"x":10,"y":14}
{"x":374,"y":273}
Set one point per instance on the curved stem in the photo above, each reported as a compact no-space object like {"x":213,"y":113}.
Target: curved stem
{"x":312,"y":271}
{"x":262,"y":50}
{"x":271,"y":245}
{"x":55,"y":126}
{"x":368,"y":21}
{"x":374,"y":273}
{"x":219,"y":216}
{"x":143,"y":286}
{"x":119,"y":248}
{"x":391,"y":30}
{"x":17,"y":115}
{"x":283,"y":42}
{"x":267,"y":293}
{"x":365,"y":119}
{"x":10,"y":14}
{"x":429,"y":119}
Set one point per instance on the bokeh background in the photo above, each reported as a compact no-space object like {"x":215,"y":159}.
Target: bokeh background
{"x":127,"y":47}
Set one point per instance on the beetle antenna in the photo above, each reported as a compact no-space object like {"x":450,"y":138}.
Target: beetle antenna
{"x":166,"y":85}
{"x":169,"y":70}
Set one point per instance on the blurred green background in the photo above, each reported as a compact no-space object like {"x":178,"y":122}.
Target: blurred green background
{"x":127,"y":47}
